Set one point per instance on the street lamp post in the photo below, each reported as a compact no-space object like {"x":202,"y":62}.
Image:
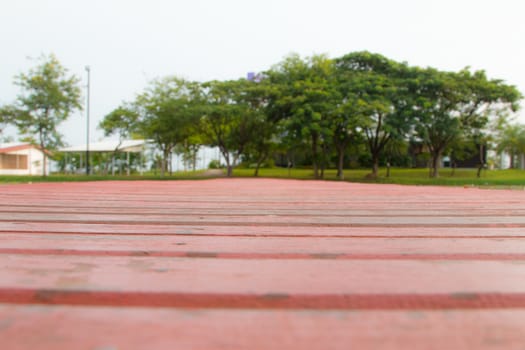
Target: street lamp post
{"x":88,"y":70}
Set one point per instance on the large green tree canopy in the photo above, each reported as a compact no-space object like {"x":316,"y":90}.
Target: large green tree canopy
{"x":512,"y":141}
{"x":320,"y":108}
{"x":229,"y":118}
{"x":306,"y":101}
{"x":168,"y":110}
{"x":48,"y":97}
{"x":375,"y":94}
{"x":449,"y":105}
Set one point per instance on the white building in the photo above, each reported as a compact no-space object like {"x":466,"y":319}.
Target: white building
{"x":204,"y":156}
{"x":110,"y":146}
{"x":17,"y":158}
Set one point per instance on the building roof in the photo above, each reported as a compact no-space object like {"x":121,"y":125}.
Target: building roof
{"x":108,"y":146}
{"x":15,"y":146}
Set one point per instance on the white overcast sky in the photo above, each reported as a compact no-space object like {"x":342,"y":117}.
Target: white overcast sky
{"x":127,"y":43}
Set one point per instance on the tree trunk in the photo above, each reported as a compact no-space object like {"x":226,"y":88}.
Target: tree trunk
{"x":164,"y":163}
{"x":289,"y":163}
{"x":128,"y":164}
{"x":435,"y":164}
{"x":480,"y":168}
{"x":229,"y":162}
{"x":375,"y":169}
{"x":194,"y":159}
{"x":387,"y":169}
{"x":340,"y":164}
{"x":324,"y":161}
{"x":45,"y":165}
{"x":120,"y":164}
{"x":314,"y":157}
{"x":170,"y":163}
{"x":43,"y":150}
{"x":375,"y":166}
{"x":262,"y":157}
{"x":257,"y":166}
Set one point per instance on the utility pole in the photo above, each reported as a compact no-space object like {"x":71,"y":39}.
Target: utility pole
{"x":88,"y":70}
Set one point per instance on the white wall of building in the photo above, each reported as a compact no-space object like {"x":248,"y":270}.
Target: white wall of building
{"x":35,"y":158}
{"x":204,"y":157}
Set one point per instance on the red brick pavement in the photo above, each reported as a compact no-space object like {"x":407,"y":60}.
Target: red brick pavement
{"x":260,"y":264}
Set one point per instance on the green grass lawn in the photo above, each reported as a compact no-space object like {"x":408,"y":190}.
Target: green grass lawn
{"x":182,"y":175}
{"x":462,"y":177}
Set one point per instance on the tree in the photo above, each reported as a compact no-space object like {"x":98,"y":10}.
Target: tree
{"x":374,"y":91}
{"x":7,"y":113}
{"x":343,"y":123}
{"x":462,"y":148}
{"x":258,"y":95}
{"x":227,"y":120}
{"x":123,"y":121}
{"x":348,"y":117}
{"x":308,"y":96}
{"x":512,"y":142}
{"x":49,"y":96}
{"x":189,"y":149}
{"x":449,"y":105}
{"x":3,"y":120}
{"x":261,"y":145}
{"x":169,"y":110}
{"x":395,"y":149}
{"x":436,"y":100}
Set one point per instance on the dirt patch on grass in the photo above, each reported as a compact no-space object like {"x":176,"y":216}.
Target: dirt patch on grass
{"x":213,"y":173}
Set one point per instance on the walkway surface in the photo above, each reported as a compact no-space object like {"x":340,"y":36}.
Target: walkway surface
{"x":260,"y":264}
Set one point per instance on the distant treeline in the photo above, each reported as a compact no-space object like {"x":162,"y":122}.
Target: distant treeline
{"x":362,"y":108}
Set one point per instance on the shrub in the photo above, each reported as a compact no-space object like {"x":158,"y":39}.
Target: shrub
{"x":214,"y":164}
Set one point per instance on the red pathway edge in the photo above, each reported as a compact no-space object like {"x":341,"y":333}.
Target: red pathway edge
{"x":260,"y":264}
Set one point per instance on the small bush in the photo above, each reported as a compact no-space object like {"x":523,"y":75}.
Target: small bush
{"x":214,"y":164}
